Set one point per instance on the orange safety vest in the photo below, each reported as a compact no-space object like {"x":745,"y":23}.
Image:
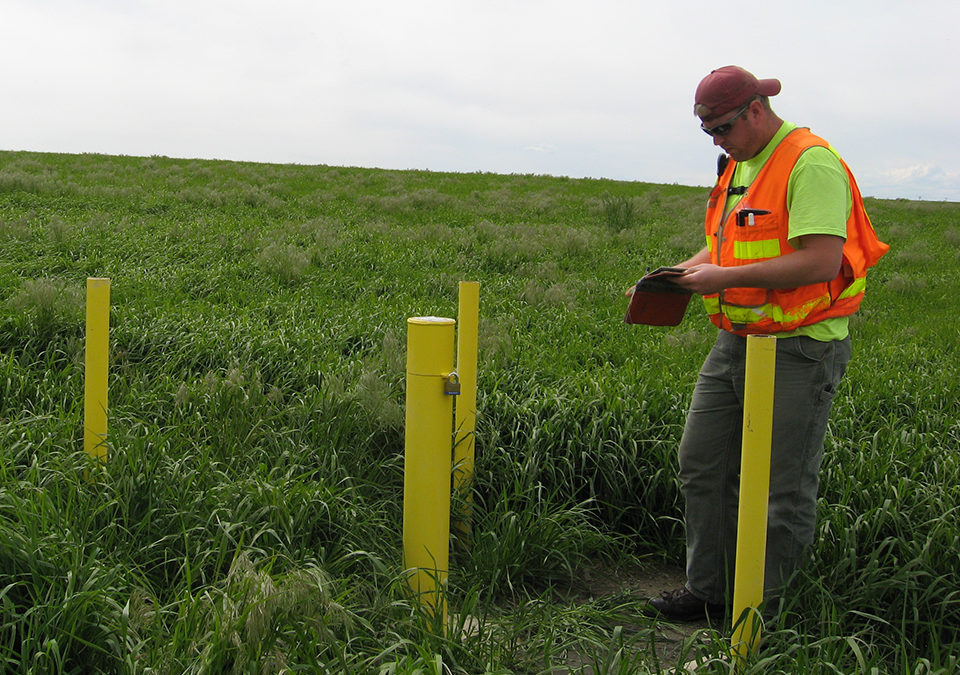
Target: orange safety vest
{"x":756,"y":229}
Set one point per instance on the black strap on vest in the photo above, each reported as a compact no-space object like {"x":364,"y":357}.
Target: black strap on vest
{"x":722,"y":160}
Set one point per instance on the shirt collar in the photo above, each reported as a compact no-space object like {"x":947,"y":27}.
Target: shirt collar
{"x":762,"y":157}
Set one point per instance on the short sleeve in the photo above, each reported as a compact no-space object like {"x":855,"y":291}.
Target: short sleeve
{"x":818,"y":195}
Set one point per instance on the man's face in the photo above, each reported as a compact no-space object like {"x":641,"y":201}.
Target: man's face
{"x":736,"y":133}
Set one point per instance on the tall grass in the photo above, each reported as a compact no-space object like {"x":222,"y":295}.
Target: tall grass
{"x":249,"y":516}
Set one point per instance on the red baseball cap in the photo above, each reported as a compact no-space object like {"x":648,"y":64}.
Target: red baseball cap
{"x":726,"y":89}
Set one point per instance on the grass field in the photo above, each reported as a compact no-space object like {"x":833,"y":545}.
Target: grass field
{"x":249,"y":517}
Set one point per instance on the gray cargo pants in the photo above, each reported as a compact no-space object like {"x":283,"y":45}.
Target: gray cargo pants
{"x":807,"y":374}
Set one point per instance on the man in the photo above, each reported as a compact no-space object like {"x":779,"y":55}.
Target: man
{"x":788,"y":247}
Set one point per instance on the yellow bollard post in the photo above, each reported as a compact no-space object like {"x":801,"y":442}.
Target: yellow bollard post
{"x":96,"y":364}
{"x":426,"y":466}
{"x":754,"y":491}
{"x":464,"y":445}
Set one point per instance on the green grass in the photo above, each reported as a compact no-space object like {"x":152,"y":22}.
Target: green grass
{"x":249,"y":516}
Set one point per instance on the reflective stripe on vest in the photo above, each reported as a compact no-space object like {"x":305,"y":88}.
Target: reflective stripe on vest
{"x":756,"y":250}
{"x":857,"y":287}
{"x":746,"y":311}
{"x":746,"y":316}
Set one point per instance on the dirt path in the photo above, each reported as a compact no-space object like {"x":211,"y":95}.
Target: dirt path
{"x":642,"y":581}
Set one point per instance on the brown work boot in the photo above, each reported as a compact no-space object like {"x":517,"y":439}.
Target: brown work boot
{"x":682,"y":605}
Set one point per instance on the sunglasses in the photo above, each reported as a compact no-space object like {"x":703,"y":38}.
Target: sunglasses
{"x":724,"y":129}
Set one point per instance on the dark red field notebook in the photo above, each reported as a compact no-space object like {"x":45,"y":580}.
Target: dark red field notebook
{"x":657,"y":301}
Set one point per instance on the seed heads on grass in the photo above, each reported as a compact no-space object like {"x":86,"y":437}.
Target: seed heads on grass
{"x":917,"y":254}
{"x":16,"y":230}
{"x":578,"y":425}
{"x":899,"y":282}
{"x":285,"y":262}
{"x":619,"y":212}
{"x":556,"y":295}
{"x":48,"y":304}
{"x":379,"y":400}
{"x":251,"y":619}
{"x":495,"y":341}
{"x":58,"y":230}
{"x":687,"y":338}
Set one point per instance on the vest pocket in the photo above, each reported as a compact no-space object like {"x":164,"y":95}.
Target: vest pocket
{"x":747,"y":298}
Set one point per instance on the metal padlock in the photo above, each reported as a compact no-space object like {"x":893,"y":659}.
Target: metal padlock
{"x":451,"y":385}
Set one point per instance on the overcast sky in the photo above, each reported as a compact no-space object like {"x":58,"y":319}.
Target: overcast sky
{"x":588,"y":88}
